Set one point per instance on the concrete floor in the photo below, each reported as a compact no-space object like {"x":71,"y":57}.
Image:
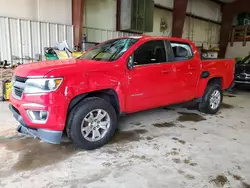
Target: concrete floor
{"x":158,"y":148}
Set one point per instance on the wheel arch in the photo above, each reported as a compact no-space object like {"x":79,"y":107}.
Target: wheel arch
{"x":215,"y":80}
{"x":204,"y":83}
{"x":108,"y":95}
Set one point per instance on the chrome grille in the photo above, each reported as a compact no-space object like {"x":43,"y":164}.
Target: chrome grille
{"x":18,"y":91}
{"x":20,"y":79}
{"x":18,"y":86}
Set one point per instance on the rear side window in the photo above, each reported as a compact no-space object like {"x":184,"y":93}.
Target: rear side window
{"x":182,"y":51}
{"x":150,"y":52}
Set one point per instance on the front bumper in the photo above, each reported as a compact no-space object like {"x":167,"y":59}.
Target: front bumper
{"x":50,"y":136}
{"x":54,"y":104}
{"x":242,"y":82}
{"x":242,"y":78}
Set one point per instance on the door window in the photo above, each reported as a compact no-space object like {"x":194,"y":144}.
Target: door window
{"x":181,"y":51}
{"x":150,"y":52}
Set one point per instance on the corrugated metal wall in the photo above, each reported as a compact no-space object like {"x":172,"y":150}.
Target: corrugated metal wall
{"x":201,"y":32}
{"x":23,"y":41}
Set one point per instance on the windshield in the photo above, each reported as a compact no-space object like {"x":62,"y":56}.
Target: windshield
{"x":246,"y":60}
{"x":110,"y":50}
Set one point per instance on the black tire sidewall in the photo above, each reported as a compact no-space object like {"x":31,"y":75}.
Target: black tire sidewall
{"x":206,"y":100}
{"x":80,"y":111}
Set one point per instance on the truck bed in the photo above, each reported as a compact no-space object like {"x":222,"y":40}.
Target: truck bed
{"x":223,"y":68}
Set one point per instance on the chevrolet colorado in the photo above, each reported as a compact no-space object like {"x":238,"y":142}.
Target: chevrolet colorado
{"x":83,"y":97}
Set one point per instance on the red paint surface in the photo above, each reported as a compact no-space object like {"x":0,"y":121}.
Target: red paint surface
{"x":141,"y":88}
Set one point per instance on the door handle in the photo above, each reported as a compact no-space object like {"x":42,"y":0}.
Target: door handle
{"x":192,"y":68}
{"x":166,"y":71}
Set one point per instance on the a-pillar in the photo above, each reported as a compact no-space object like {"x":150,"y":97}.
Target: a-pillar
{"x":77,"y":21}
{"x":179,"y":14}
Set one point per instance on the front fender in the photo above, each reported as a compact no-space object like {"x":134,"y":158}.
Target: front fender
{"x":94,"y":82}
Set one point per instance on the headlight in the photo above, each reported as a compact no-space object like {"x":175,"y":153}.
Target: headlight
{"x":42,"y":85}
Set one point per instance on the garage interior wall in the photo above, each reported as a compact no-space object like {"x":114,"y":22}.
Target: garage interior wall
{"x":167,"y":17}
{"x":53,"y":11}
{"x":101,"y":15}
{"x":203,"y":32}
{"x":238,"y":50}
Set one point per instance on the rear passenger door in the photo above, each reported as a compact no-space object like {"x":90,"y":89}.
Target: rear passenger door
{"x":187,"y":71}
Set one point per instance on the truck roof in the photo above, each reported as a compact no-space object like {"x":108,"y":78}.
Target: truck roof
{"x":146,"y":37}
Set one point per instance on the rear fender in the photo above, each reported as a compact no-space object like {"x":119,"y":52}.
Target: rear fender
{"x":202,"y":85}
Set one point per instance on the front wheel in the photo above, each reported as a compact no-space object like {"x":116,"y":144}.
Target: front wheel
{"x":212,"y":99}
{"x":92,"y":123}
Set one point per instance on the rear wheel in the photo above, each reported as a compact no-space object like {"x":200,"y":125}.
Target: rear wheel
{"x":92,"y":123}
{"x":212,"y":99}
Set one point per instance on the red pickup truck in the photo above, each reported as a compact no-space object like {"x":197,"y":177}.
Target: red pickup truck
{"x":84,"y":97}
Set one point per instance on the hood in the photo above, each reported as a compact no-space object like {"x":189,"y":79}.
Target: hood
{"x":43,"y":67}
{"x":242,"y":68}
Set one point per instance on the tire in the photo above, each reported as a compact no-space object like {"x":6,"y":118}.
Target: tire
{"x":77,"y":118}
{"x":205,"y":105}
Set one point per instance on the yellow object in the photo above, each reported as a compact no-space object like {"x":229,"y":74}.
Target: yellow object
{"x":7,"y":89}
{"x":77,"y":54}
{"x":61,"y":54}
{"x":102,"y":55}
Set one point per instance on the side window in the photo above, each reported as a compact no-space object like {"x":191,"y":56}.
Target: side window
{"x":181,"y":51}
{"x":150,"y":52}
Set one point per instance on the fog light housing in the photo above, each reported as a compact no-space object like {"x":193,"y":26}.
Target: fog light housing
{"x":38,"y":116}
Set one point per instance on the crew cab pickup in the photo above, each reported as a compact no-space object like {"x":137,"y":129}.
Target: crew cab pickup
{"x":84,"y":97}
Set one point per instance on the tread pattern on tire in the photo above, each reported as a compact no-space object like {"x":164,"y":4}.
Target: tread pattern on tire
{"x":72,"y":129}
{"x":204,"y":106}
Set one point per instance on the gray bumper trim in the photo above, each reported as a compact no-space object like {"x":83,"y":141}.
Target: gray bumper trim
{"x":50,"y":136}
{"x":242,"y":82}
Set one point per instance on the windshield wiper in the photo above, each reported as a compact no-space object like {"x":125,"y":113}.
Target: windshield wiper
{"x":96,"y":55}
{"x":113,"y":55}
{"x":117,"y":51}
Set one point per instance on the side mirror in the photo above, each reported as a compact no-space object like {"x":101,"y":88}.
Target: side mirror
{"x":130,"y":62}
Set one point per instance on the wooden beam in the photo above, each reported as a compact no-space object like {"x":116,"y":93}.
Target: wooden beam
{"x":245,"y":36}
{"x":232,"y":37}
{"x":179,"y":14}
{"x":77,"y":21}
{"x":118,"y":14}
{"x":226,"y":28}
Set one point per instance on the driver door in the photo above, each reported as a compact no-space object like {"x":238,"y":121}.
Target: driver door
{"x":146,"y":84}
